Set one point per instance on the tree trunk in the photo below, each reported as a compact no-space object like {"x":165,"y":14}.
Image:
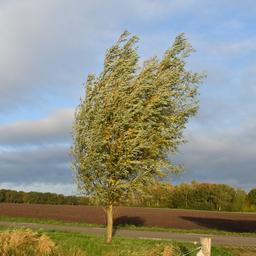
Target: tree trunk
{"x":109,"y":228}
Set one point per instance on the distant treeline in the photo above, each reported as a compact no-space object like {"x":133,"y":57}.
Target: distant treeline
{"x":12,"y":196}
{"x":194,"y":195}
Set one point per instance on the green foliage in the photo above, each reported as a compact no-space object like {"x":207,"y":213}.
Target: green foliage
{"x":131,"y":119}
{"x":251,"y":198}
{"x":12,"y":196}
{"x":158,"y":194}
{"x":200,"y":196}
{"x":205,"y":196}
{"x":239,"y":200}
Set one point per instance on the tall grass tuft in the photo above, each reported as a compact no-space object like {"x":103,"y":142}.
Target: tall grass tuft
{"x":25,"y":242}
{"x":160,"y":250}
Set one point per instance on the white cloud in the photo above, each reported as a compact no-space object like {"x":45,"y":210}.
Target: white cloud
{"x":240,"y":47}
{"x":59,"y":188}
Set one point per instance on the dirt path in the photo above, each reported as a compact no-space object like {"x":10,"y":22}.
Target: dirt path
{"x":216,"y":239}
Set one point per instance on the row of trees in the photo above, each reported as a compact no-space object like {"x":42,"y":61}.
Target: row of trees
{"x":12,"y":196}
{"x":201,"y":196}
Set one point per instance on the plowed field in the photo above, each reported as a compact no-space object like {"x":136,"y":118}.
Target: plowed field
{"x":181,"y":219}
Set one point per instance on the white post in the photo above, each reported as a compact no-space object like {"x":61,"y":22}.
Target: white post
{"x":205,"y":246}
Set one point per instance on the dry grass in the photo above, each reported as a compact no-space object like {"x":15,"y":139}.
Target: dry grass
{"x":26,"y":242}
{"x":168,"y":251}
{"x":160,"y":250}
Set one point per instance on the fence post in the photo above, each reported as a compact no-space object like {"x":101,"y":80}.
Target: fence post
{"x":205,"y":246}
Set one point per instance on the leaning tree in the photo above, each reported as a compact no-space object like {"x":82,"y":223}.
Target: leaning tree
{"x":131,"y":120}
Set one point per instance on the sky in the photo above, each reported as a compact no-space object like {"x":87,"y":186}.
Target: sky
{"x":48,"y":47}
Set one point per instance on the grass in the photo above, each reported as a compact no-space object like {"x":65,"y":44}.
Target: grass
{"x":46,"y":221}
{"x":194,"y":210}
{"x":128,"y":227}
{"x":94,"y":245}
{"x":186,"y":231}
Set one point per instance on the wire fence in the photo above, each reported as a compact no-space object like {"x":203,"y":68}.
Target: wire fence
{"x":177,"y":251}
{"x":188,"y":253}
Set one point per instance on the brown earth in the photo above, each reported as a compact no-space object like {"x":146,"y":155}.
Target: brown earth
{"x":180,"y":219}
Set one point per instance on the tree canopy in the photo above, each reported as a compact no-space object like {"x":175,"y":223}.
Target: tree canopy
{"x":131,"y":118}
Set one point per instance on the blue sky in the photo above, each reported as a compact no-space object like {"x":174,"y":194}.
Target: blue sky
{"x":47,"y":48}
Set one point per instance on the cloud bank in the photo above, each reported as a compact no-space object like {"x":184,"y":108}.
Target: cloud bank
{"x":48,"y":47}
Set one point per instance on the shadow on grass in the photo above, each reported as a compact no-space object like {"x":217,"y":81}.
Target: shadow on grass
{"x":122,"y":221}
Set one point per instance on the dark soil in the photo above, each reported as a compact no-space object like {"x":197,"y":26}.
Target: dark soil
{"x":168,"y":218}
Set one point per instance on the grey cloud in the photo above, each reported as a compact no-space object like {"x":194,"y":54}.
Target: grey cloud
{"x":49,"y":164}
{"x":47,"y":47}
{"x":224,"y":156}
{"x":37,"y":151}
{"x":56,"y":128}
